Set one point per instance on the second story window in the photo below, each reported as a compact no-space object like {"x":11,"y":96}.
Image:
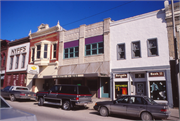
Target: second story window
{"x":152,"y":47}
{"x":94,"y":48}
{"x":23,"y":60}
{"x":4,"y":60}
{"x":32,"y":57}
{"x":71,"y":52}
{"x":38,"y":51}
{"x":136,"y":49}
{"x":17,"y":61}
{"x":54,"y":50}
{"x":121,"y":51}
{"x":11,"y":62}
{"x":45,"y":50}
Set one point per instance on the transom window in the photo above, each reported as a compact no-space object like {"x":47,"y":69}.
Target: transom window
{"x":136,"y":49}
{"x":94,"y":48}
{"x":38,"y":51}
{"x":152,"y":47}
{"x":71,"y":52}
{"x":120,"y":51}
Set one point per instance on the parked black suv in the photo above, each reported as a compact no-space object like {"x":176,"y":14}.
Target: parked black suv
{"x":66,"y":96}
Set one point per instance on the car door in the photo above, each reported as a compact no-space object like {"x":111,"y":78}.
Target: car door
{"x":5,"y":91}
{"x":119,"y":107}
{"x":52,"y":94}
{"x":135,"y":106}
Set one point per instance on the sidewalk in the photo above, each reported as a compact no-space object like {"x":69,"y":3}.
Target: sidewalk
{"x":173,"y":116}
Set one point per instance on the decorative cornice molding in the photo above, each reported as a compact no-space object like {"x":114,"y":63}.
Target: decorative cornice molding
{"x":142,"y":16}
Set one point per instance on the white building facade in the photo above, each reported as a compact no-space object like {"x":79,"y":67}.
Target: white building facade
{"x":17,"y":61}
{"x":140,"y":57}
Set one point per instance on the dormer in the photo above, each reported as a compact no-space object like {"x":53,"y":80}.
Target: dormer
{"x":43,"y":27}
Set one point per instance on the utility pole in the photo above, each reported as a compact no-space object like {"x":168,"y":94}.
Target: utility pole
{"x":175,"y":52}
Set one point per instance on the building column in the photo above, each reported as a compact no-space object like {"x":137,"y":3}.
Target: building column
{"x":169,"y":88}
{"x":61,"y":48}
{"x":81,"y":43}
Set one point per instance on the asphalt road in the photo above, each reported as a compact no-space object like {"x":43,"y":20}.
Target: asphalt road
{"x":55,"y":113}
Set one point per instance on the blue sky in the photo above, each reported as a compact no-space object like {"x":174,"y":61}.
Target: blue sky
{"x":19,"y":17}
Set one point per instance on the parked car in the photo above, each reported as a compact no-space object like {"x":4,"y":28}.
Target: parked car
{"x":134,"y":105}
{"x":66,"y":96}
{"x":17,"y":92}
{"x":9,"y":113}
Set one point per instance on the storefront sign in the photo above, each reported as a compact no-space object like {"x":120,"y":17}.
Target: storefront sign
{"x":18,"y":50}
{"x":75,"y":75}
{"x":120,"y":75}
{"x":156,"y":74}
{"x":121,"y":86}
{"x":33,"y":69}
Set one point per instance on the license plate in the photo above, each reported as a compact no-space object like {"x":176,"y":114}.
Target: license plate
{"x":29,"y":95}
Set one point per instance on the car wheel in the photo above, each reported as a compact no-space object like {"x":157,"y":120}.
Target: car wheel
{"x":41,"y":101}
{"x":145,"y":116}
{"x":66,"y":105}
{"x":103,"y":111}
{"x":12,"y":98}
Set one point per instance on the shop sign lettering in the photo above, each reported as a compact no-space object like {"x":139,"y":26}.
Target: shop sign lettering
{"x":75,"y":75}
{"x":156,"y":74}
{"x":18,"y":50}
{"x":120,"y":75}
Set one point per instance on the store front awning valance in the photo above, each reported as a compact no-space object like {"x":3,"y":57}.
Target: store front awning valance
{"x":97,"y":69}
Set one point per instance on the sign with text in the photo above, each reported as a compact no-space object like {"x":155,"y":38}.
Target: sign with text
{"x":156,"y":74}
{"x":33,"y":69}
{"x":120,"y":75}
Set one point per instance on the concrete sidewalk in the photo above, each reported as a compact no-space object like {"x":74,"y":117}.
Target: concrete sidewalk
{"x":174,"y":115}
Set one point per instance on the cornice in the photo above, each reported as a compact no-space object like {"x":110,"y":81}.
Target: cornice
{"x":44,"y":32}
{"x":142,"y":16}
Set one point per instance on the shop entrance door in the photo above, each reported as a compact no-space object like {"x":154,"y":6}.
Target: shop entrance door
{"x":105,"y":88}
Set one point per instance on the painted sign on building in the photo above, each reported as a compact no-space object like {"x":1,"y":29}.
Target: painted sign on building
{"x":33,"y":69}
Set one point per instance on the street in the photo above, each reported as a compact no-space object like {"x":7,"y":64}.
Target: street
{"x":49,"y":112}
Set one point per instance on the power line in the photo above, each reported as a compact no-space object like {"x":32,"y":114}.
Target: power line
{"x":98,"y":13}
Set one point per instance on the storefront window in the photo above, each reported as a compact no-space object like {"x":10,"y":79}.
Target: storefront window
{"x":158,"y":90}
{"x":121,"y":88}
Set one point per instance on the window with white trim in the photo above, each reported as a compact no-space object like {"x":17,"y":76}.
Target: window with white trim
{"x":94,"y":48}
{"x":152,"y":47}
{"x":17,"y":61}
{"x":45,"y":50}
{"x":32,"y":54}
{"x":23,"y":60}
{"x":71,"y":52}
{"x":54,"y":50}
{"x":38,"y":51}
{"x":121,"y":51}
{"x":136,"y":49}
{"x":11,"y":62}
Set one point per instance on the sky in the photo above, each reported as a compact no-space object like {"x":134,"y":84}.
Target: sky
{"x":19,"y":17}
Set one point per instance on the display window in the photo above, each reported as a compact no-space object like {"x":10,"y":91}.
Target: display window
{"x":158,"y":90}
{"x":121,"y":88}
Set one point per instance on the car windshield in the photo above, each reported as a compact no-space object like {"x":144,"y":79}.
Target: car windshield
{"x":150,"y":100}
{"x":3,"y":104}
